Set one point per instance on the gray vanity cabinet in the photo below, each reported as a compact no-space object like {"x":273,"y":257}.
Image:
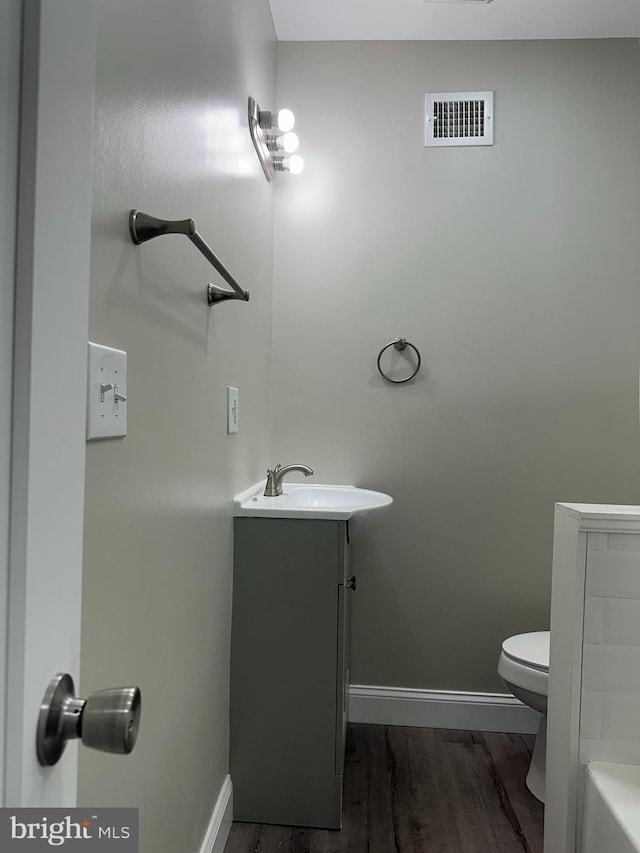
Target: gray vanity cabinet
{"x":289,"y":670}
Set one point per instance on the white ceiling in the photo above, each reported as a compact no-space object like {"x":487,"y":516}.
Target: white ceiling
{"x":339,"y":20}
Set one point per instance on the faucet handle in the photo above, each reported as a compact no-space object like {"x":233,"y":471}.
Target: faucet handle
{"x":274,"y":480}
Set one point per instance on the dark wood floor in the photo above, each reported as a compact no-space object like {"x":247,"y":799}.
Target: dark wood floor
{"x":411,"y":790}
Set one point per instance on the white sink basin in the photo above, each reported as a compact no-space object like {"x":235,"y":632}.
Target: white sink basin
{"x":309,"y":501}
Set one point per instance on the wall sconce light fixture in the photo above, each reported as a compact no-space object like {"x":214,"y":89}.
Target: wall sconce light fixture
{"x":274,"y":140}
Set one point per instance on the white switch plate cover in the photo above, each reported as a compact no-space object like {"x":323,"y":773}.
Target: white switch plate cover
{"x":233,"y":402}
{"x":106,"y":412}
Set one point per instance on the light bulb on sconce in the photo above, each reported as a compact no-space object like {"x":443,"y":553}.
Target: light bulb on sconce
{"x":296,"y":164}
{"x":286,"y":120}
{"x":288,"y":143}
{"x":272,"y":138}
{"x":283,"y":121}
{"x":293,"y":164}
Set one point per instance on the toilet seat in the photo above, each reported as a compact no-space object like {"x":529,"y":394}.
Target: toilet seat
{"x":524,"y":662}
{"x":529,"y":649}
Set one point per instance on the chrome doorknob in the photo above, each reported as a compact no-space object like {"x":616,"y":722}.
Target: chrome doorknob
{"x":108,"y":720}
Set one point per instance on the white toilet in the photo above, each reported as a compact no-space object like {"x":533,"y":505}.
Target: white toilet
{"x":524,"y":668}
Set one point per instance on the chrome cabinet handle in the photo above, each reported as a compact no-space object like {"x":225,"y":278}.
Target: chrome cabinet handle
{"x":108,"y":720}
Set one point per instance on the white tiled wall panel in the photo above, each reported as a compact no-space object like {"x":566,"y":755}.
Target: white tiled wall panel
{"x":619,"y":752}
{"x":593,"y":619}
{"x":621,"y":621}
{"x":591,"y":715}
{"x":622,"y":541}
{"x":610,"y":708}
{"x":598,"y":541}
{"x":614,"y":574}
{"x":621,"y":718}
{"x":611,"y":669}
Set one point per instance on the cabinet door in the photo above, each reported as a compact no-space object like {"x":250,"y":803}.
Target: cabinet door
{"x":284,"y":680}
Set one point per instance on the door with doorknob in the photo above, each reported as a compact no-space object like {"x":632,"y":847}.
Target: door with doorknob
{"x":42,"y":512}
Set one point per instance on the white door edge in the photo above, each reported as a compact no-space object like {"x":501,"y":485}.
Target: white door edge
{"x":51,"y":332}
{"x":10,"y":36}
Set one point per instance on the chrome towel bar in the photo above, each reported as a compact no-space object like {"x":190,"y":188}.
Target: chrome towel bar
{"x":143,"y":227}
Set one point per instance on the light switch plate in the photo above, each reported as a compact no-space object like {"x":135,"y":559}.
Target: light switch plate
{"x":106,"y":393}
{"x":233,"y":403}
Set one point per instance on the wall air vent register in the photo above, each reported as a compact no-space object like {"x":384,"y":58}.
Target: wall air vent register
{"x":458,"y":118}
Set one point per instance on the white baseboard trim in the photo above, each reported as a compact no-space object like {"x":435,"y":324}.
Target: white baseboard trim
{"x":439,"y":709}
{"x":220,"y":824}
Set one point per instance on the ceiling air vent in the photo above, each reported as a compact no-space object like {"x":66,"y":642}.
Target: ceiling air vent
{"x":459,"y":118}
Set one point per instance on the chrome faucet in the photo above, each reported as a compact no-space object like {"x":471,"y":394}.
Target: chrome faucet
{"x":276,"y":475}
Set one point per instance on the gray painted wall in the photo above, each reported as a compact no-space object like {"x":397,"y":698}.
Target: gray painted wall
{"x":516,"y":271}
{"x":172,"y":140}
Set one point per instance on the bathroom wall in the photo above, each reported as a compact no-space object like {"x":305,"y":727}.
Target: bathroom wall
{"x":172,"y":140}
{"x":515,"y":269}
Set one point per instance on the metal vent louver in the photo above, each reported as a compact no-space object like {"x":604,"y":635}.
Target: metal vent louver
{"x":459,"y":118}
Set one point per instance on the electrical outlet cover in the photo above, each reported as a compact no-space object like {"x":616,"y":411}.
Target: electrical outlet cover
{"x":233,"y":410}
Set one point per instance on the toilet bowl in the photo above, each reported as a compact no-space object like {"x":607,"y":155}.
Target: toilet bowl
{"x":524,"y":667}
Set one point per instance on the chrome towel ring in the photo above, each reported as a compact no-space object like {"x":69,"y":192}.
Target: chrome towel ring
{"x":399,"y":344}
